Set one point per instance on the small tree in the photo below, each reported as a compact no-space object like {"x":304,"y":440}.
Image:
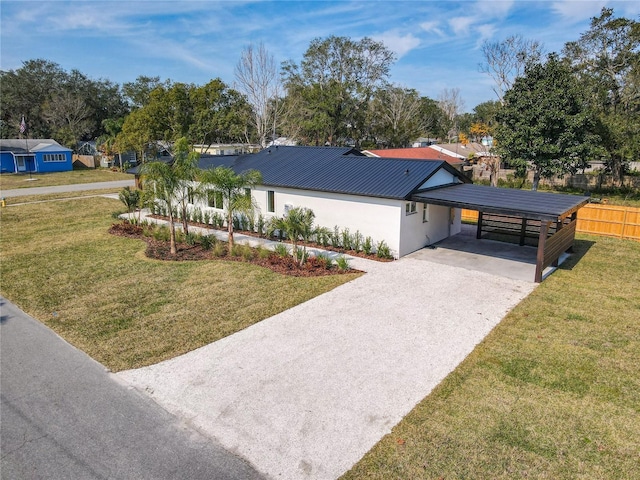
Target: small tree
{"x":297,"y":224}
{"x":232,"y":186}
{"x":185,"y":163}
{"x":131,"y":198}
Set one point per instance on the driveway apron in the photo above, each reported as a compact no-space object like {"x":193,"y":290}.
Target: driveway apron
{"x":306,"y":393}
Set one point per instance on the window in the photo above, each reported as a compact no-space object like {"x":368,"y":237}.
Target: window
{"x":411,"y":208}
{"x":54,"y":157}
{"x":190,"y":195}
{"x":425,"y":213}
{"x":271,"y":201}
{"x":215,"y":200}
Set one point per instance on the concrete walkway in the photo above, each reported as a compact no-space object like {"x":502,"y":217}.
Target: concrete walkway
{"x":78,"y":187}
{"x":306,"y":393}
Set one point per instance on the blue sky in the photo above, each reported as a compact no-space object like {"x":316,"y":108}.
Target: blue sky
{"x":437,"y":42}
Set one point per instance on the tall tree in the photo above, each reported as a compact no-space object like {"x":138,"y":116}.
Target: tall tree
{"x":396,"y":115}
{"x":450,"y":102}
{"x":505,"y":61}
{"x":233,"y":188}
{"x":138,"y":92}
{"x":335,"y":82}
{"x":544,"y":123}
{"x":258,"y":79}
{"x":606,"y":59}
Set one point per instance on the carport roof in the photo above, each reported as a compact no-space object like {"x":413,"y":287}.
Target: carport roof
{"x":504,"y":201}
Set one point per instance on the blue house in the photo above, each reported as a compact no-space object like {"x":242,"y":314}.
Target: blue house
{"x":34,"y":155}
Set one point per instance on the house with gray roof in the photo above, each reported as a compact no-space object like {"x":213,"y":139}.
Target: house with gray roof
{"x":347,"y":189}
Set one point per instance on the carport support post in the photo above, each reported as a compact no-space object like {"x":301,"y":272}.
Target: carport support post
{"x":479,"y":231}
{"x":542,"y":240}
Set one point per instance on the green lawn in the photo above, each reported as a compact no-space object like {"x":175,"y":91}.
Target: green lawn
{"x":553,"y":392}
{"x":103,"y":295}
{"x":10,"y":181}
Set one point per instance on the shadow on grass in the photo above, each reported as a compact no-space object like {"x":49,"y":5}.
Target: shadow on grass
{"x":580,"y":249}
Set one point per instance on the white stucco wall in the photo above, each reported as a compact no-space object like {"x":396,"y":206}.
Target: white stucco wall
{"x":378,"y":218}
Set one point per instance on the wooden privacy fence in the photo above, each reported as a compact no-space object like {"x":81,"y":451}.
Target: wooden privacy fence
{"x":596,"y":219}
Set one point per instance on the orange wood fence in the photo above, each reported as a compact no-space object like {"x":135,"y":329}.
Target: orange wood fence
{"x":596,"y":219}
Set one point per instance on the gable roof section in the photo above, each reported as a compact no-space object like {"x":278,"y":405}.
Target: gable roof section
{"x":419,"y":153}
{"x":16,"y":145}
{"x":337,"y":170}
{"x":505,"y":201}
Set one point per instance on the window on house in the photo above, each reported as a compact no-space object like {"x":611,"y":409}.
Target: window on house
{"x":271,"y":201}
{"x":190,"y":195}
{"x":411,"y":208}
{"x":215,"y":200}
{"x":425,"y":213}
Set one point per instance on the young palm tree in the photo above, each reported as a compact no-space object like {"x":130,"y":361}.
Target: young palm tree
{"x":131,"y":198}
{"x":232,"y":186}
{"x":297,"y":224}
{"x":164,"y":181}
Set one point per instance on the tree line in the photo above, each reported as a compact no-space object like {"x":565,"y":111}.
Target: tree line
{"x":554,"y":112}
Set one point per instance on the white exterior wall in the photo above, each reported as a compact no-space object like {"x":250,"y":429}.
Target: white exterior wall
{"x":415,"y":233}
{"x":378,"y":218}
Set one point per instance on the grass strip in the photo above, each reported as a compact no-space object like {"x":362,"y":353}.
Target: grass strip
{"x":101,"y":293}
{"x":552,"y":392}
{"x":10,"y":181}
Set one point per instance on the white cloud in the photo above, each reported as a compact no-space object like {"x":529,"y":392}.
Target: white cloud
{"x":397,"y":43}
{"x":577,"y":11}
{"x":461,"y":24}
{"x":485,"y":32}
{"x":432,"y":27}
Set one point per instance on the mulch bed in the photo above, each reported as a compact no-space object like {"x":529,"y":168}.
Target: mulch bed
{"x":161,"y":250}
{"x":353,"y":253}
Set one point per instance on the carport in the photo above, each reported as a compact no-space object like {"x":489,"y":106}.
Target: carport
{"x":548,"y":217}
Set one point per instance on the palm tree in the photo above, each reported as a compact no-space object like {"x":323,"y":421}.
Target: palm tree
{"x":131,"y":198}
{"x":232,"y":186}
{"x":185,"y":162}
{"x":297,"y":224}
{"x":170,"y":182}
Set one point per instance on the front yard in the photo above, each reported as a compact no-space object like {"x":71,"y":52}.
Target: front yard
{"x":100,"y":292}
{"x":552,"y":392}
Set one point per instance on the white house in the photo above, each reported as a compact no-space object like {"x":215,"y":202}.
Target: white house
{"x":347,"y":189}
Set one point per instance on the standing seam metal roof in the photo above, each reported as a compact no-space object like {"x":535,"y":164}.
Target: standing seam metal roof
{"x":337,"y":170}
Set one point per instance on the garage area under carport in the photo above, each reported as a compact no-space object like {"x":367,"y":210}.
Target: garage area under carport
{"x":548,"y":218}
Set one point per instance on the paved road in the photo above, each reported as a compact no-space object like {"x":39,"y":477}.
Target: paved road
{"x":78,"y":187}
{"x":65,"y":416}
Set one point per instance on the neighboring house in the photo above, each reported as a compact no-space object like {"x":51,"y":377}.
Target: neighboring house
{"x":34,"y":155}
{"x":419,"y":153}
{"x":423,"y":142}
{"x":461,"y":151}
{"x":347,"y":189}
{"x":226,"y":148}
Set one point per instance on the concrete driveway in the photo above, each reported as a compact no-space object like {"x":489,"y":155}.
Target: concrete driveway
{"x":306,"y":393}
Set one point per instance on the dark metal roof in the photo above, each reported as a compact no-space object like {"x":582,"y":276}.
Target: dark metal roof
{"x":337,"y":170}
{"x":504,"y":201}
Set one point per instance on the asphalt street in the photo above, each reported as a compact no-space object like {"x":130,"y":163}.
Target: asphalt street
{"x":78,"y":187}
{"x":63,"y":415}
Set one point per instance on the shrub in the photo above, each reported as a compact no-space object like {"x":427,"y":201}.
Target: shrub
{"x":323,"y":236}
{"x":261,"y":225}
{"x":208,"y":241}
{"x":382,"y":250}
{"x":161,"y":233}
{"x":367,"y":246}
{"x":206,"y":218}
{"x":247,"y":252}
{"x":325,"y":259}
{"x":335,"y":237}
{"x":357,"y":241}
{"x":342,"y":262}
{"x":191,"y":238}
{"x":219,"y":249}
{"x":262,"y":252}
{"x":346,"y":240}
{"x":281,"y":249}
